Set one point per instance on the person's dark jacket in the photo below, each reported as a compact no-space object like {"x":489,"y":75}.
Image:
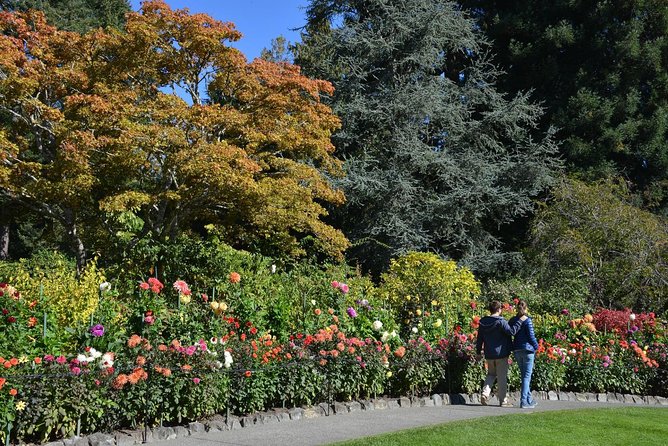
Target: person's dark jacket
{"x":525,"y":339}
{"x":494,"y":333}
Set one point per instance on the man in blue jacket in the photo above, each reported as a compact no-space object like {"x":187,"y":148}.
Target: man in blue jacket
{"x":495,"y":335}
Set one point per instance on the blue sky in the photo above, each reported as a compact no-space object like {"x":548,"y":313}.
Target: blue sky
{"x":258,"y":20}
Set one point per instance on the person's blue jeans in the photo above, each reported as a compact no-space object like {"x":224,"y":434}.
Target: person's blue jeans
{"x":525,"y":360}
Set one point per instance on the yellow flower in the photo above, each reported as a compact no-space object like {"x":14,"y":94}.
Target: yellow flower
{"x":20,"y":406}
{"x":434,"y":303}
{"x":23,"y":359}
{"x":438,"y":323}
{"x":185,"y":299}
{"x":388,"y":374}
{"x":418,"y":312}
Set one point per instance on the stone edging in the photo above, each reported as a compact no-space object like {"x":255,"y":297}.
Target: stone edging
{"x":219,"y":423}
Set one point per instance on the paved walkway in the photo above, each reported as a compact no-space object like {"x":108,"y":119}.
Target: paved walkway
{"x":325,"y":430}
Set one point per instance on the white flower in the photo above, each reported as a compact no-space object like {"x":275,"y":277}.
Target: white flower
{"x":82,"y":358}
{"x":385,"y":336}
{"x":313,"y":302}
{"x":377,"y":325}
{"x":94,"y":353}
{"x":107,"y":361}
{"x":105,"y":286}
{"x":228,"y":359}
{"x":394,"y":334}
{"x":414,"y":329}
{"x":632,"y":317}
{"x":273,"y":269}
{"x":219,"y":364}
{"x":214,"y":340}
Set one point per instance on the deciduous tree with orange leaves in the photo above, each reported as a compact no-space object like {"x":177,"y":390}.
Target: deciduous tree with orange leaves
{"x":144,"y":134}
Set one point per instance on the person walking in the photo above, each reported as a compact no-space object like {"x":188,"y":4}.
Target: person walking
{"x":525,"y":346}
{"x":495,"y":335}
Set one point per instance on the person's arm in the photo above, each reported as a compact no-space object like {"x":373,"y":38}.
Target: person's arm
{"x":512,"y":329}
{"x":478,"y":344}
{"x":532,"y":335}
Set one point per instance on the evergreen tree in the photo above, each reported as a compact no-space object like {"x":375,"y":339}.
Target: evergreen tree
{"x":600,"y":68}
{"x":436,"y":158}
{"x":75,"y":15}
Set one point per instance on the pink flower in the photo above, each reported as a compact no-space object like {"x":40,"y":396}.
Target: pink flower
{"x":61,"y":359}
{"x":149,"y":320}
{"x":196,"y":380}
{"x":191,"y":350}
{"x":75,"y":370}
{"x":144,"y":286}
{"x":344,"y":288}
{"x":335,"y":284}
{"x":182,"y":287}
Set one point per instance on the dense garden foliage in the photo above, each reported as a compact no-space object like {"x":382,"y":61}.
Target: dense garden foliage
{"x":103,"y":354}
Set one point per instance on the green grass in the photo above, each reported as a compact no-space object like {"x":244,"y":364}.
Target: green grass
{"x":634,"y":426}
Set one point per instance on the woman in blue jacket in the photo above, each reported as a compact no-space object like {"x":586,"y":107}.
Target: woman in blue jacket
{"x":525,"y":346}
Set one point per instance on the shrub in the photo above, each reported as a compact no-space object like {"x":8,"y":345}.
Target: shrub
{"x":419,"y":282}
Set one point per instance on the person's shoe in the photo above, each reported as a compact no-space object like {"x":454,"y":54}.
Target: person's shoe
{"x":484,"y":399}
{"x":528,"y":406}
{"x":506,"y":404}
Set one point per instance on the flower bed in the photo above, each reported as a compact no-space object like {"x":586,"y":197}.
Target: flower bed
{"x":169,"y":355}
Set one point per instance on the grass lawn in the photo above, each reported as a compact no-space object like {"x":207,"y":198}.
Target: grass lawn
{"x":633,"y":426}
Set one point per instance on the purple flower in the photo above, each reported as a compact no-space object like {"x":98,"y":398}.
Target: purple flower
{"x":97,"y":330}
{"x":565,"y":312}
{"x":351,"y":312}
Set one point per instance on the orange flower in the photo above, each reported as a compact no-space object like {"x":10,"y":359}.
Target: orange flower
{"x":120,"y":381}
{"x":317,"y":312}
{"x":330,"y":310}
{"x":38,"y":360}
{"x":141,"y":361}
{"x":248,"y":374}
{"x":13,"y":392}
{"x":186,"y":367}
{"x":14,"y":361}
{"x":400,"y":352}
{"x":235,"y":277}
{"x":134,"y":341}
{"x":162,"y":347}
{"x":32,"y":322}
{"x":323,"y":362}
{"x":2,"y":382}
{"x":166,"y":373}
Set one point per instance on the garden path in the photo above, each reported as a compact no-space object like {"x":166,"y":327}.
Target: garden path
{"x":325,"y":430}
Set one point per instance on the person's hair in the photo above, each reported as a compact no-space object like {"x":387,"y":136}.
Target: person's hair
{"x":494,"y":306}
{"x":522,"y":309}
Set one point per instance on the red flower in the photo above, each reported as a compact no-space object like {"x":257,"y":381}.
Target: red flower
{"x":11,"y":319}
{"x":248,"y":374}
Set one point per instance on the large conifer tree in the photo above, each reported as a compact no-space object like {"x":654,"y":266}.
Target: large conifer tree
{"x":601,"y":69}
{"x":437,"y":159}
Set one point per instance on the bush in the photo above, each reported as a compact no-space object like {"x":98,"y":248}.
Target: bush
{"x":423,"y":282}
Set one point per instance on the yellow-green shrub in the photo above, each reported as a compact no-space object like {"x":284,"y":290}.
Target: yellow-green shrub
{"x":69,"y":300}
{"x":422,"y":288}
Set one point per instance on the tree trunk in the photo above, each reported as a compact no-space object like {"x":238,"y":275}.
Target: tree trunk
{"x":4,"y":241}
{"x":77,"y":243}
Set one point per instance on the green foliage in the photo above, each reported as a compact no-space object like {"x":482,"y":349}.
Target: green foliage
{"x":423,"y":282}
{"x":599,"y":68}
{"x":76,"y":15}
{"x":49,"y":284}
{"x":565,"y":290}
{"x":436,"y":158}
{"x":618,"y":248}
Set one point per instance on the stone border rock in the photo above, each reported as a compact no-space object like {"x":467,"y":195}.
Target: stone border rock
{"x":219,"y":423}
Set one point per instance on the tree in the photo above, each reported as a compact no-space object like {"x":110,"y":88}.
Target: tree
{"x":596,"y":231}
{"x":600,"y":69}
{"x":436,"y":158}
{"x":75,"y":15}
{"x":97,"y":144}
